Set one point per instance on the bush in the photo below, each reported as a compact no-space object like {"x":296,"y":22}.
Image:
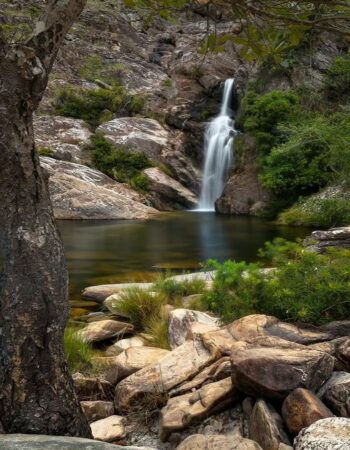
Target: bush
{"x":90,"y":105}
{"x":136,"y":104}
{"x":304,"y":286}
{"x":338,"y":78}
{"x":78,"y":352}
{"x":45,"y":151}
{"x":140,"y":182}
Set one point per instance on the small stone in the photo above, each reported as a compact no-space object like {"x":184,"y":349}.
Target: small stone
{"x":96,"y":410}
{"x":124,"y":344}
{"x":110,"y":429}
{"x":216,"y":442}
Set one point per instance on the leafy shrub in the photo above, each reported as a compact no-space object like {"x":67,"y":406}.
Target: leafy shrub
{"x":45,"y":151}
{"x":303,"y":286}
{"x":338,"y":77}
{"x":140,"y":183}
{"x":136,"y":104}
{"x":95,"y":68}
{"x":78,"y":352}
{"x":90,"y":105}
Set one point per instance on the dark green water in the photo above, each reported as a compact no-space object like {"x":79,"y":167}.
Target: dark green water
{"x":101,"y":252}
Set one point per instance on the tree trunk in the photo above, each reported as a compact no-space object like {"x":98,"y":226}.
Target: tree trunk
{"x":36,"y":390}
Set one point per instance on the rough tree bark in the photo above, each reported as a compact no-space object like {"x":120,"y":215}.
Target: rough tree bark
{"x":36,"y":390}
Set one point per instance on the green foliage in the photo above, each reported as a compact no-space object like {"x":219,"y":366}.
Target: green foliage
{"x":303,"y":286}
{"x":140,"y":182}
{"x":338,"y":78}
{"x":318,"y":212}
{"x":90,"y":105}
{"x":95,"y":68}
{"x":78,"y":352}
{"x":173,"y":289}
{"x":136,"y":104}
{"x":167,"y":83}
{"x":45,"y":151}
{"x":157,"y":331}
{"x":121,"y":164}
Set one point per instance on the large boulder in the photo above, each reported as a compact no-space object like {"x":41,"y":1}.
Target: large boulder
{"x":64,"y":137}
{"x":104,"y":293}
{"x":271,"y":367}
{"x":178,"y":366}
{"x":109,"y":429}
{"x":79,"y":192}
{"x":301,"y":409}
{"x":180,"y":321}
{"x":133,"y":359}
{"x":96,"y":410}
{"x":166,"y":193}
{"x":326,"y":434}
{"x":104,"y":330}
{"x":217,"y":441}
{"x":335,"y":393}
{"x":340,"y":349}
{"x":41,"y":442}
{"x":266,"y":427}
{"x":182,"y":411}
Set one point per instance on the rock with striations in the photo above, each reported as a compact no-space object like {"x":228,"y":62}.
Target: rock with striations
{"x":272,"y":368}
{"x":133,"y":359}
{"x":180,"y":321}
{"x":92,"y":388}
{"x":104,"y":330}
{"x":109,"y":429}
{"x":217,"y":441}
{"x":124,"y":344}
{"x":176,"y":367}
{"x":326,"y":434}
{"x":301,"y":409}
{"x":96,"y":410}
{"x":266,"y":426}
{"x":180,"y":412}
{"x":320,"y":241}
{"x":340,"y":349}
{"x":79,"y":192}
{"x":335,"y":393}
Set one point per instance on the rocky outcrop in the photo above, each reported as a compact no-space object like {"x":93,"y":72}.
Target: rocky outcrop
{"x":109,"y":429}
{"x":335,"y":393}
{"x":301,"y":409}
{"x":325,"y":434}
{"x":212,"y":442}
{"x":78,"y":192}
{"x":320,"y":241}
{"x":104,"y":330}
{"x":97,"y":410}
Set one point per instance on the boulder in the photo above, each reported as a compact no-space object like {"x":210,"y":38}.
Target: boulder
{"x":65,"y":137}
{"x":133,"y":359}
{"x":138,"y":134}
{"x":180,"y":321}
{"x":180,"y":412}
{"x":166,"y":193}
{"x":272,"y":367}
{"x":109,"y":429}
{"x":41,"y":442}
{"x":301,"y":409}
{"x":104,"y":293}
{"x":104,"y":330}
{"x":215,"y":442}
{"x":326,"y":434}
{"x":340,"y":349}
{"x":92,"y":388}
{"x":97,"y":410}
{"x":266,"y":427}
{"x":124,"y":344}
{"x":319,"y":241}
{"x":335,"y":393}
{"x":176,"y":367}
{"x":79,"y":192}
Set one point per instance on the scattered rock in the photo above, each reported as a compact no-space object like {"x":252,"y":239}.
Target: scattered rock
{"x":180,"y":321}
{"x":319,"y":241}
{"x":215,"y":442}
{"x":97,"y":410}
{"x":176,"y":367}
{"x":132,"y":360}
{"x":92,"y":388}
{"x":110,"y":429}
{"x":335,"y":393}
{"x":104,"y":330}
{"x":272,"y":367}
{"x":181,"y":411}
{"x":124,"y":344}
{"x":326,"y":434}
{"x":266,"y":427}
{"x":301,"y":409}
{"x":104,"y":291}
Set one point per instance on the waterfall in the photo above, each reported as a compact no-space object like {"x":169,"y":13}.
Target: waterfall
{"x":218,"y":143}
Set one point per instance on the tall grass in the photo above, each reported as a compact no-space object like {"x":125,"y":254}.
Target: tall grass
{"x":173,"y":289}
{"x":78,"y":352}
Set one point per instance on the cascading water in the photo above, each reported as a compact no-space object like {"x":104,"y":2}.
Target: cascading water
{"x":218,"y":143}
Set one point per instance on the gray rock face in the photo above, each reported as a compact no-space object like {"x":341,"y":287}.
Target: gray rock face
{"x":319,"y":241}
{"x":33,"y":442}
{"x":78,"y":192}
{"x":336,"y":393}
{"x":326,"y":434}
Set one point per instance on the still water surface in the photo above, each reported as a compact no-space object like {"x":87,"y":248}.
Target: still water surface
{"x":101,"y":252}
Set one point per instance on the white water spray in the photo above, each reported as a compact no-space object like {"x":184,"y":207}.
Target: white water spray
{"x":218,"y":143}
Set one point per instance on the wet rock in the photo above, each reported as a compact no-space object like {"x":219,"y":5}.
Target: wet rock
{"x":132,"y":360}
{"x":92,"y":388}
{"x":326,"y":434}
{"x":319,"y":241}
{"x":176,"y":367}
{"x":182,"y":411}
{"x":97,"y":410}
{"x":266,"y":427}
{"x":215,"y":442}
{"x":104,"y":330}
{"x":272,"y":367}
{"x":79,"y":192}
{"x":36,"y":442}
{"x":124,"y":344}
{"x":110,"y":429}
{"x":166,"y":193}
{"x":301,"y":409}
{"x":180,"y":321}
{"x":65,"y":137}
{"x":335,"y":393}
{"x":102,"y":292}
